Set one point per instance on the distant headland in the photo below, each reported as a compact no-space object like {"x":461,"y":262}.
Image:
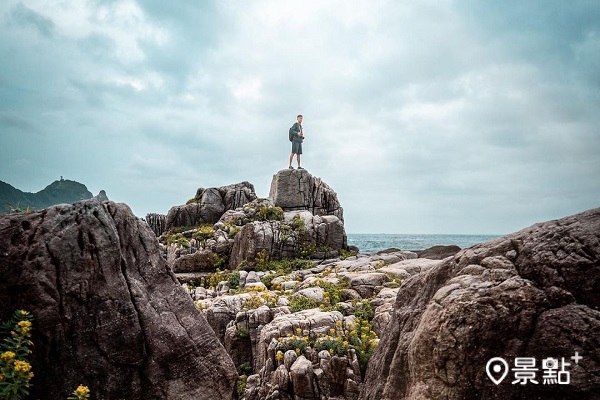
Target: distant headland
{"x":58,"y":192}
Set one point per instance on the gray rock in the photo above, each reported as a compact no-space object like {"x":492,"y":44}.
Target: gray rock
{"x":438,"y":252}
{"x":303,"y":382}
{"x":299,"y":190}
{"x":200,"y":261}
{"x":366,"y":284}
{"x":108,"y":311}
{"x":210,"y":204}
{"x":279,"y":240}
{"x":533,"y":293}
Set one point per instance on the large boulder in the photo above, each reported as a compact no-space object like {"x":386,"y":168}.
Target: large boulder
{"x":208,"y":205}
{"x":108,"y":312}
{"x":297,"y":189}
{"x":535,"y":293}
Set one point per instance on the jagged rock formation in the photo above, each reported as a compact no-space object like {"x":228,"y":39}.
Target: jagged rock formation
{"x":157,"y":222}
{"x":208,"y":205}
{"x":63,"y":191}
{"x":280,"y":240}
{"x":310,"y":220}
{"x":101,"y":196}
{"x":297,"y":189}
{"x":534,"y":293}
{"x":108,"y":311}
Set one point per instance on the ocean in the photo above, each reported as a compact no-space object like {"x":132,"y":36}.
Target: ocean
{"x":371,"y":243}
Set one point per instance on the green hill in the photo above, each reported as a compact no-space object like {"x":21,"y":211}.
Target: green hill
{"x":58,"y":192}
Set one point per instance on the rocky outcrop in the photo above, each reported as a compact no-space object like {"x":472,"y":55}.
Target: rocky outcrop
{"x":108,"y":311}
{"x":297,"y":230}
{"x":535,"y":293}
{"x":308,"y":333}
{"x":157,"y":222}
{"x":297,"y":189}
{"x":309,"y":373}
{"x":101,"y":196}
{"x":208,"y":205}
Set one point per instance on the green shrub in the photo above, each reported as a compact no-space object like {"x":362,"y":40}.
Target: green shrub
{"x":233,"y":231}
{"x":234,"y":279}
{"x":363,"y":310}
{"x":215,"y":278}
{"x":344,"y":254}
{"x":270,"y":213}
{"x":284,"y":267}
{"x":262,"y":260}
{"x":364,"y":340}
{"x":299,"y":303}
{"x":180,"y":229}
{"x":259,"y":299}
{"x":204,"y":232}
{"x":298,"y":342}
{"x":241,"y":386}
{"x":242,"y":332}
{"x":297,"y":224}
{"x":246,"y":368}
{"x":179,"y":240}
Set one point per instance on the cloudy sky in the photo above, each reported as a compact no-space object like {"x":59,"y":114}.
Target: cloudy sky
{"x":424,"y":116}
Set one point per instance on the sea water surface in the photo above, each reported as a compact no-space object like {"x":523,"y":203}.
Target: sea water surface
{"x":371,"y":243}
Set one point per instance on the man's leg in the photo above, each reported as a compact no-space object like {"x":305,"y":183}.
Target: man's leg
{"x":291,"y":158}
{"x":298,"y":159}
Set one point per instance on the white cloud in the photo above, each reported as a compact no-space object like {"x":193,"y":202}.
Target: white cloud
{"x":423,"y":116}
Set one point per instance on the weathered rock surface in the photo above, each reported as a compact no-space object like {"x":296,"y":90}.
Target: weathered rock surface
{"x":534,"y":293}
{"x":108,"y":311}
{"x":438,"y":252}
{"x":280,"y":239}
{"x":299,"y":190}
{"x":210,"y":204}
{"x":157,"y":222}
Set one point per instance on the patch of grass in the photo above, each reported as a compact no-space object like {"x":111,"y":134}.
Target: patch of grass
{"x":270,"y":213}
{"x":203,"y":233}
{"x":234,"y":280}
{"x":363,"y":310}
{"x":284,"y":267}
{"x":262,"y":260}
{"x":344,"y":254}
{"x":179,"y":240}
{"x":300,"y":303}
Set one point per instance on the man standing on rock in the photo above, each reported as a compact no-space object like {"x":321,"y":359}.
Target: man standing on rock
{"x":297,"y":139}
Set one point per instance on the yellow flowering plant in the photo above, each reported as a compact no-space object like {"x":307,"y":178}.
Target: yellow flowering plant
{"x":15,"y":369}
{"x":81,"y":393}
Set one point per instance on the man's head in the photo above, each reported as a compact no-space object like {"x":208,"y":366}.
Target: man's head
{"x":299,"y":118}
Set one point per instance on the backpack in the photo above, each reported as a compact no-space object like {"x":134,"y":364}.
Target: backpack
{"x":291,"y":132}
